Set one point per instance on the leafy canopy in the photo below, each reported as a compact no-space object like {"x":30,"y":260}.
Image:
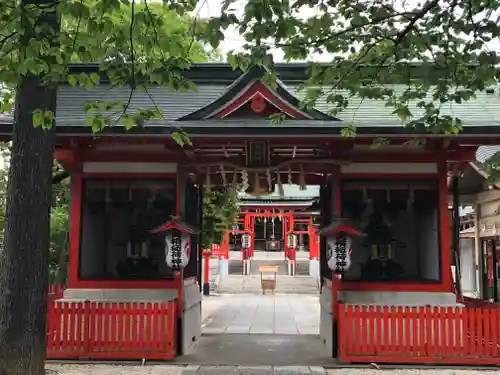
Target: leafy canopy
{"x":371,"y":44}
{"x":136,"y":44}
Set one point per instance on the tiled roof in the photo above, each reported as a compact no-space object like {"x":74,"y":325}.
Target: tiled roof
{"x":485,"y":152}
{"x":484,"y":110}
{"x":213,"y":80}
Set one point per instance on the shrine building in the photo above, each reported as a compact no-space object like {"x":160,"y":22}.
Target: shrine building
{"x":382,"y":215}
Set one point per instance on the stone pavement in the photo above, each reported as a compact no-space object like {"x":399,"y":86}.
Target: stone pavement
{"x":258,"y":350}
{"x":254,"y":370}
{"x":261,"y":314}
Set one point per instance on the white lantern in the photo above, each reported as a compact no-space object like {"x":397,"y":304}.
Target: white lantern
{"x":177,"y":243}
{"x":339,"y":244}
{"x":292,"y":241}
{"x":245,"y":241}
{"x":177,"y":250}
{"x":338,"y":253}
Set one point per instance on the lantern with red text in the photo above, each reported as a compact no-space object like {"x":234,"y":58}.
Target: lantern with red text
{"x":339,"y":236}
{"x":292,"y":241}
{"x":177,"y":242}
{"x":246,"y":240}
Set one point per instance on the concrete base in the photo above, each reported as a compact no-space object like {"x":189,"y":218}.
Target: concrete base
{"x":314,"y":268}
{"x":398,"y":298}
{"x":191,"y":318}
{"x":246,"y":267}
{"x":326,"y":318}
{"x":292,"y":267}
{"x":223,"y":267}
{"x":120,"y":295}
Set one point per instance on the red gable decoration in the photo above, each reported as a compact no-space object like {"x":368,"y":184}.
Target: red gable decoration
{"x":249,"y":97}
{"x":174,"y":224}
{"x":259,"y":96}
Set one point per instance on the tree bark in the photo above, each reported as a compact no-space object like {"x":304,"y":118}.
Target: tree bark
{"x":25,"y":253}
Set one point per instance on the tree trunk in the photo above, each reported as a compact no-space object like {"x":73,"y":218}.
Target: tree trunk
{"x":25,"y":253}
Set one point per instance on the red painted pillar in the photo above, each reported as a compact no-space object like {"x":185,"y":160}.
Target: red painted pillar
{"x":252,"y":238}
{"x":292,"y":253}
{"x":225,"y":243}
{"x":74,"y":225}
{"x":313,"y":241}
{"x":336,"y":278}
{"x":246,"y":227}
{"x":285,"y":232}
{"x":206,"y":272}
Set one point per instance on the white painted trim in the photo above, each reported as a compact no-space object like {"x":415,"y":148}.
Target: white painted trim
{"x":117,"y":167}
{"x":397,"y":168}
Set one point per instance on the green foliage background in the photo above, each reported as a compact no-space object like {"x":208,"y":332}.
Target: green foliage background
{"x":220,"y":210}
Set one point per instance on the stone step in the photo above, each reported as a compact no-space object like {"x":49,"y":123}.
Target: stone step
{"x":252,"y":284}
{"x":302,"y":268}
{"x":235,"y":266}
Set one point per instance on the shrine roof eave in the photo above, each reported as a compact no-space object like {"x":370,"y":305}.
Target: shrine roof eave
{"x":295,"y":71}
{"x":480,"y":134}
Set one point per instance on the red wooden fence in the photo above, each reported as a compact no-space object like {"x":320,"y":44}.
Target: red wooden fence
{"x":451,"y":335}
{"x":55,"y":292}
{"x":111,"y":330}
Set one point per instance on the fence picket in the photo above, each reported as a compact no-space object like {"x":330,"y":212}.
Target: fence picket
{"x":111,"y":330}
{"x":449,"y":335}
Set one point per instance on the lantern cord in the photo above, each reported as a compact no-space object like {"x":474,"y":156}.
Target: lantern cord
{"x":275,"y":168}
{"x":234,"y":184}
{"x":257,"y":182}
{"x":302,"y":179}
{"x":244,"y":178}
{"x":223,"y":175}
{"x":290,"y":182}
{"x":268,"y":176}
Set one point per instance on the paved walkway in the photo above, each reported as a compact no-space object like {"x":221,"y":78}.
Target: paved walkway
{"x":261,"y":314}
{"x":258,"y":350}
{"x":254,"y":370}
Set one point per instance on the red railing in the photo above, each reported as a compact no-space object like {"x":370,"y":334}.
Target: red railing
{"x":475,"y":302}
{"x":451,"y":335}
{"x":111,"y":330}
{"x":55,"y":292}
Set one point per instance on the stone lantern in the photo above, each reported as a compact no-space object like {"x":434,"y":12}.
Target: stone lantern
{"x":177,"y":242}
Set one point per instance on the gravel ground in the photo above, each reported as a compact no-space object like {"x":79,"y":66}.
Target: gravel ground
{"x":85,"y":369}
{"x":113,"y":370}
{"x":435,"y":371}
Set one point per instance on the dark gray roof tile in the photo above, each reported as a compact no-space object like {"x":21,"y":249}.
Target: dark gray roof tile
{"x":485,"y":152}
